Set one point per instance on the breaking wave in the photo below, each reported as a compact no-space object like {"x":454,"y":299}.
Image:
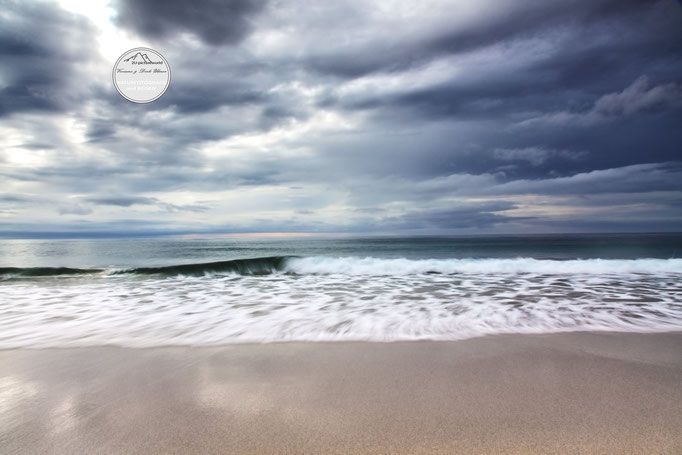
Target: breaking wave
{"x":45,"y":271}
{"x":324,"y":265}
{"x":286,"y":298}
{"x":377,"y":266}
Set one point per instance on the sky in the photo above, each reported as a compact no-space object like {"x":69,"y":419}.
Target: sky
{"x":394,"y":117}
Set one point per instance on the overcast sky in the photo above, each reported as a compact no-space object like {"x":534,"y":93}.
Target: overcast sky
{"x":347,"y":116}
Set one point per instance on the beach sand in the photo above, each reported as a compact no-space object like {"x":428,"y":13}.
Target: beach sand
{"x":562,"y":393}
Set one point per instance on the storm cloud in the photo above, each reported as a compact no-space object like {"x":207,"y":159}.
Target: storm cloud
{"x":42,"y":48}
{"x":215,"y":22}
{"x":350,"y":116}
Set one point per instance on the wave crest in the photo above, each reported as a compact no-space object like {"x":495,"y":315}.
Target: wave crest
{"x":45,"y":271}
{"x":255,"y":266}
{"x":371,"y":266}
{"x":377,"y":266}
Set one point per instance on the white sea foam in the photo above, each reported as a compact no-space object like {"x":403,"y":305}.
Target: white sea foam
{"x":379,"y":266}
{"x":345,"y":299}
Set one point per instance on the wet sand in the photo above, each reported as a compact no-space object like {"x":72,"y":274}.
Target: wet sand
{"x":566,"y":393}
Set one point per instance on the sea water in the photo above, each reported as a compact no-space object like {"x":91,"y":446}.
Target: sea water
{"x":211,"y":291}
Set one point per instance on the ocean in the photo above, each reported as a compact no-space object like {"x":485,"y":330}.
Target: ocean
{"x":213,"y":291}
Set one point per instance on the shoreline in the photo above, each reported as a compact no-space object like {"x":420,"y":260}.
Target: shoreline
{"x":573,"y":392}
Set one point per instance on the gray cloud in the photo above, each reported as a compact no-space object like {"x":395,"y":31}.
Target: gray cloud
{"x":128,"y":201}
{"x":39,"y":72}
{"x":13,"y":198}
{"x":346,"y":117}
{"x":639,"y":97}
{"x":213,"y":21}
{"x":494,"y":22}
{"x":122,"y":201}
{"x":74,"y":209}
{"x":461,"y":216}
{"x":535,"y":156}
{"x":640,"y":178}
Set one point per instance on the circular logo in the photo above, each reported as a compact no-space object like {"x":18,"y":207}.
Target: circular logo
{"x":141,"y":75}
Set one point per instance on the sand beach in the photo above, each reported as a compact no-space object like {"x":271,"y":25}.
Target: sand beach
{"x":582,"y":392}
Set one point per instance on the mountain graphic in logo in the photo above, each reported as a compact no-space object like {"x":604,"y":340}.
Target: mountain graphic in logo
{"x":141,"y":75}
{"x":142,"y":58}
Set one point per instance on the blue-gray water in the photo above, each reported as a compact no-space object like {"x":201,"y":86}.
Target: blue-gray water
{"x":161,"y":291}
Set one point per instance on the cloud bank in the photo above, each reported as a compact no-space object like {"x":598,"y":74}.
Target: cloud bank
{"x":380,"y":117}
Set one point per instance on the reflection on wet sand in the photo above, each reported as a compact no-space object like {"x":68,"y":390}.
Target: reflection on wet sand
{"x":589,"y":392}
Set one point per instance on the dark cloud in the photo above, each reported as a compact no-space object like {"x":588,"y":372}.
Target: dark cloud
{"x":505,"y":22}
{"x":122,"y":201}
{"x":196,"y":94}
{"x":461,"y":216}
{"x":642,"y":178}
{"x":557,"y":56}
{"x":638,"y":98}
{"x":99,"y":130}
{"x":41,"y":47}
{"x":215,"y":22}
{"x":534,"y":156}
{"x":495,"y":116}
{"x":636,"y":179}
{"x":128,"y":201}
